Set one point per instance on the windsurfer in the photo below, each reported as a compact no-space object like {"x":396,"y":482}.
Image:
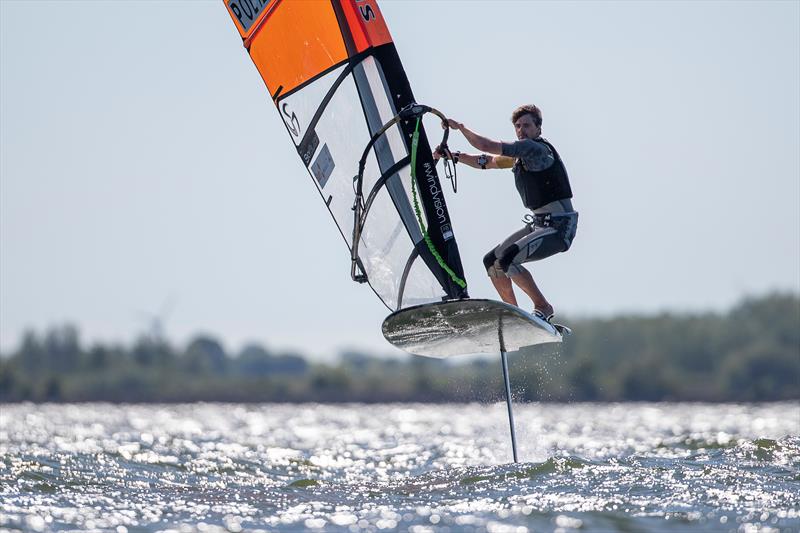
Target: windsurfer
{"x":542,"y":182}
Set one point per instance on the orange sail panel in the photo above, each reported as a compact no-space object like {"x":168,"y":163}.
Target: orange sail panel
{"x":297,"y":42}
{"x":366,"y":24}
{"x":291,"y":41}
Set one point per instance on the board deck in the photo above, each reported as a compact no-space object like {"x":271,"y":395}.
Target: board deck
{"x":467,"y":327}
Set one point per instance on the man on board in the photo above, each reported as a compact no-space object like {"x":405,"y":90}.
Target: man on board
{"x":543,"y":185}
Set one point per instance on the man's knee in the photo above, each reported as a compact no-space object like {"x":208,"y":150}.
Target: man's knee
{"x":507,"y":257}
{"x":491,"y":265}
{"x":494,"y":271}
{"x":489,"y":259}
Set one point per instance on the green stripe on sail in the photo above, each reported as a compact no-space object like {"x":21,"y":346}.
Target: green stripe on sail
{"x":414,"y":143}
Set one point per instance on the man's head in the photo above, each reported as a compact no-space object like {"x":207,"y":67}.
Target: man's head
{"x":527,"y":120}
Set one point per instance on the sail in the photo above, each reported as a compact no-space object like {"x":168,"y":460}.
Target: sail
{"x":336,"y":80}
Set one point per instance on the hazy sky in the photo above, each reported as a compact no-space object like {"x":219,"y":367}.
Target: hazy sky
{"x":144,"y":169}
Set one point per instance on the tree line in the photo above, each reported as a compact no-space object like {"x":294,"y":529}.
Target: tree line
{"x":750,"y":353}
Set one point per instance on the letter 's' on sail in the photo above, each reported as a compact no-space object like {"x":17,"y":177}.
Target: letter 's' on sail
{"x":335,"y":77}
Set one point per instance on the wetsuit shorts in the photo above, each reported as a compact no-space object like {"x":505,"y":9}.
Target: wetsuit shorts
{"x":541,"y":237}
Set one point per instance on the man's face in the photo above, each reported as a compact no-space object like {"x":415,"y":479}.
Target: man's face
{"x":526,"y":128}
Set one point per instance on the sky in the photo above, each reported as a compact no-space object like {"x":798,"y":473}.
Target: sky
{"x":144,"y":171}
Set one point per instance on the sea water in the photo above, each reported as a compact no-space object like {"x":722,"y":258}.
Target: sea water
{"x":417,"y":468}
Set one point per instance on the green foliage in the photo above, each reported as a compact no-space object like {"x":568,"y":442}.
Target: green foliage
{"x":751,"y":353}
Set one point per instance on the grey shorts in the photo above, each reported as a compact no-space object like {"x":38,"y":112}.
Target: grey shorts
{"x":541,"y":238}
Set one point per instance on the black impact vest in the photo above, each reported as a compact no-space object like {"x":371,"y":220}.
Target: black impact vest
{"x":540,"y":187}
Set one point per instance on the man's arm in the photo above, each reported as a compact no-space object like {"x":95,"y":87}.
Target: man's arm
{"x":478,"y":141}
{"x":492,"y":161}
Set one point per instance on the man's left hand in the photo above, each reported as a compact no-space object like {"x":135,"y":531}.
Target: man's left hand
{"x":454,"y":124}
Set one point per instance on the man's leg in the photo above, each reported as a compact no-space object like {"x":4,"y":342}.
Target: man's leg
{"x":499,"y":259}
{"x":504,"y":289}
{"x":524,"y":281}
{"x":499,"y":279}
{"x":537,"y":244}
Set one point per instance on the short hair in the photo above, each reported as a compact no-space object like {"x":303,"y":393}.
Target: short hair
{"x":529,"y":109}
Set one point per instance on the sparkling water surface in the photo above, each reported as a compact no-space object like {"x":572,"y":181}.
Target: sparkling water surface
{"x":221,"y":467}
